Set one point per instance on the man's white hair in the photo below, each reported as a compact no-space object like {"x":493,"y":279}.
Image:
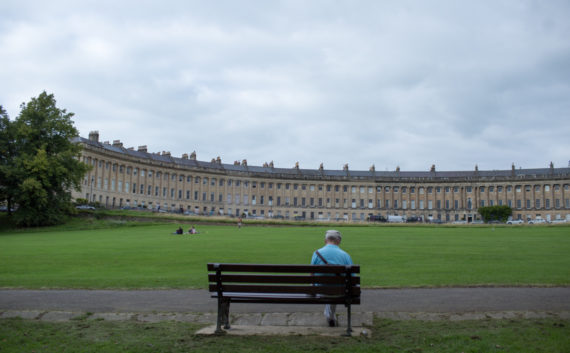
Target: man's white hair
{"x":333,"y":235}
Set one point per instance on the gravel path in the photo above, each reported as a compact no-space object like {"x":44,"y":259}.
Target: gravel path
{"x":437,"y":300}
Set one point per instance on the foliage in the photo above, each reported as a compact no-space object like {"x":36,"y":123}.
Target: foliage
{"x":495,"y":213}
{"x":40,"y":162}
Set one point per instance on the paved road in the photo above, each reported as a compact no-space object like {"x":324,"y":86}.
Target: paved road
{"x":438,"y":300}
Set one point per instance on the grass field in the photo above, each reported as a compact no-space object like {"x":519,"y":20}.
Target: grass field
{"x":545,"y":335}
{"x":120,"y":255}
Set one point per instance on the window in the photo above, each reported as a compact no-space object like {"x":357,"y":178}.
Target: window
{"x":396,"y":188}
{"x":491,"y":189}
{"x":430,"y":204}
{"x":362,"y":189}
{"x":429,"y":190}
{"x":469,"y":189}
{"x":412,"y":189}
{"x":353,"y":203}
{"x":482,"y":189}
{"x":404,"y":189}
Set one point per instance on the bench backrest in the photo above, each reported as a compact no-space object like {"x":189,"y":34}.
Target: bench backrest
{"x":334,"y":280}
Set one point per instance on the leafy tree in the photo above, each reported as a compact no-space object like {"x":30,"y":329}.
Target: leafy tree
{"x":42,"y":164}
{"x":7,"y":153}
{"x":499,"y":213}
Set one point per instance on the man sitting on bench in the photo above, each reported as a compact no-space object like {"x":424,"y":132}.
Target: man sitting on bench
{"x":331,"y":254}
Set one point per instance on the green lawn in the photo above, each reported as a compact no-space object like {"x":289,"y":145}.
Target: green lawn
{"x":149,"y":256}
{"x":545,"y":335}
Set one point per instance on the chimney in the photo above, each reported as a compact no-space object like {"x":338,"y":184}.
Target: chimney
{"x":166,"y":154}
{"x":117,"y":143}
{"x":432,"y":169}
{"x":142,"y":148}
{"x":94,"y":136}
{"x":185,"y":156}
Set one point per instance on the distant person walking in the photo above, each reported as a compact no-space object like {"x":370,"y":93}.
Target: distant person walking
{"x":239,"y":222}
{"x":331,"y":254}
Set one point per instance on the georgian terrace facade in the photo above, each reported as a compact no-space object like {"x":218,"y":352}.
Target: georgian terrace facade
{"x":124,"y":177}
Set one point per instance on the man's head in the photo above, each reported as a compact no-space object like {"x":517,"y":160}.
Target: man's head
{"x":333,"y":237}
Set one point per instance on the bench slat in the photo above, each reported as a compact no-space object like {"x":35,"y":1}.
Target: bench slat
{"x":260,"y":278}
{"x":244,"y":288}
{"x":284,"y":299}
{"x":283,"y":268}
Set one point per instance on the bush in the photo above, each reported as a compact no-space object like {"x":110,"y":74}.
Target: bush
{"x":495,"y":213}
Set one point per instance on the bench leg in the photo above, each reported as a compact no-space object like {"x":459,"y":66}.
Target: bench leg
{"x":349,"y":325}
{"x":220,"y":316}
{"x":226,"y":316}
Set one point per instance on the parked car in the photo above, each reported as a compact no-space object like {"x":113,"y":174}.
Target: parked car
{"x":477,"y":221}
{"x":559,"y":221}
{"x":515,"y":221}
{"x":460,"y":222}
{"x":437,"y":221}
{"x":84,"y":207}
{"x":537,"y":221}
{"x":495,"y":222}
{"x":377,"y":218}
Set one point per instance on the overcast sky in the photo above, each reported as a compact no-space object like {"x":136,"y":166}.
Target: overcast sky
{"x":389,"y":83}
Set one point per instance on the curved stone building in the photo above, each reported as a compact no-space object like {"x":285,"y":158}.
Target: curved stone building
{"x":125,"y":177}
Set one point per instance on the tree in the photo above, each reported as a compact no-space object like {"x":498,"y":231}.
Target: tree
{"x":42,"y":163}
{"x":498,"y":213}
{"x":7,"y":152}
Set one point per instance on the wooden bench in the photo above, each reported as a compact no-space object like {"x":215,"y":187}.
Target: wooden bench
{"x":282,"y":284}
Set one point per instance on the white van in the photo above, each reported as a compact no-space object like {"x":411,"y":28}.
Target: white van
{"x":396,"y":219}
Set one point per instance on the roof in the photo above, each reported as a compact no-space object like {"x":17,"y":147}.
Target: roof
{"x":327,"y":173}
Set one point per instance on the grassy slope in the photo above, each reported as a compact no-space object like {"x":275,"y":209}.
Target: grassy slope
{"x":150,"y":256}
